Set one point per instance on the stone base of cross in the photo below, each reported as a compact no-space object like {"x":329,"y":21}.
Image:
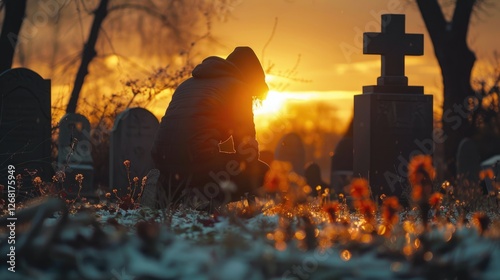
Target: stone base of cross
{"x":393,"y":89}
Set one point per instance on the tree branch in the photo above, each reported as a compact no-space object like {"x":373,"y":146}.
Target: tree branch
{"x":89,"y":53}
{"x":434,"y":20}
{"x":155,"y":13}
{"x":13,"y":19}
{"x":461,"y":19}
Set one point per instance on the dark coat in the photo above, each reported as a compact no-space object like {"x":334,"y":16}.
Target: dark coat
{"x":205,"y":110}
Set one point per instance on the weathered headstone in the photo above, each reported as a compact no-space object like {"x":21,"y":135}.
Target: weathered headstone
{"x":131,"y":139}
{"x":74,"y":153}
{"x":341,"y":167}
{"x":25,"y":124}
{"x":392,"y":121}
{"x":290,"y":148}
{"x":468,"y":161}
{"x":149,"y":196}
{"x":312,"y":174}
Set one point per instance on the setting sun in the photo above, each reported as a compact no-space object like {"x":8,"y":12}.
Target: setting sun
{"x":271,"y":105}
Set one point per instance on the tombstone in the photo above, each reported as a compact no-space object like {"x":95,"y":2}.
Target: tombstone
{"x":131,"y":139}
{"x":149,"y":196}
{"x":312,"y":174}
{"x":392,"y":121}
{"x":341,"y":167}
{"x":290,"y":148}
{"x":74,"y":153}
{"x":25,"y":124}
{"x":468,"y":160}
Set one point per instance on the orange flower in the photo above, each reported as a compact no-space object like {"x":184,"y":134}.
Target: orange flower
{"x":435,"y":199}
{"x":271,"y":183}
{"x":487,"y":173}
{"x":127,"y":163}
{"x":332,"y":209}
{"x":420,"y":170}
{"x":37,"y":181}
{"x":79,"y":178}
{"x":366,"y":207}
{"x":482,"y":221}
{"x":416,"y":193}
{"x":390,"y":208}
{"x":359,"y":188}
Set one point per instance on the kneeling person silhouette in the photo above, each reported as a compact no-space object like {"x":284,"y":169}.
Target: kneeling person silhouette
{"x":207,"y":109}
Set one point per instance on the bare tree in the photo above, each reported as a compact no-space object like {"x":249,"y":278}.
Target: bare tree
{"x":179,"y":18}
{"x":456,"y":59}
{"x":14,"y":15}
{"x":88,"y":54}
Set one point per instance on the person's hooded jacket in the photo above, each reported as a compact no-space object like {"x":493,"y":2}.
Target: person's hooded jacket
{"x":215,"y":103}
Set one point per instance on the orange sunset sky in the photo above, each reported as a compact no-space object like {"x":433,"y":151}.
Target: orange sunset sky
{"x":327,"y":34}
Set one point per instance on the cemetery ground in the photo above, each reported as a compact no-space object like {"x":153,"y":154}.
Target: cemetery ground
{"x":293,"y":231}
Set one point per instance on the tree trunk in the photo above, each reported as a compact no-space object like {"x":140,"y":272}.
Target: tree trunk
{"x":456,"y":61}
{"x":14,"y":16}
{"x":88,"y":55}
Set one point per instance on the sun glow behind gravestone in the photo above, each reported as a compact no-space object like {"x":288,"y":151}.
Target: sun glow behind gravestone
{"x":282,"y":112}
{"x":276,"y":102}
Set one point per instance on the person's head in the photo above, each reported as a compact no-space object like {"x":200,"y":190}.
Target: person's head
{"x":249,"y":65}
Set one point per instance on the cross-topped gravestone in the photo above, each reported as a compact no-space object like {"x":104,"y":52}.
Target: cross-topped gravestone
{"x":392,"y":121}
{"x":393,"y":44}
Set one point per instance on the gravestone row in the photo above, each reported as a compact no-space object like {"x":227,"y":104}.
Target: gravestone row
{"x":390,"y":118}
{"x":25,"y":129}
{"x":26,"y":133}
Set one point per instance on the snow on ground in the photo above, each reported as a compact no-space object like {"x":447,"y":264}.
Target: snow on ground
{"x":187,"y":244}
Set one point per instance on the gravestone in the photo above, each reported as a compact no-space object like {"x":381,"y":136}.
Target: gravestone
{"x":290,"y":148}
{"x":341,"y":167}
{"x":74,"y":153}
{"x":468,"y":160}
{"x":25,"y":124}
{"x":392,"y":121}
{"x":149,"y":196}
{"x":131,"y":139}
{"x":313,"y":178}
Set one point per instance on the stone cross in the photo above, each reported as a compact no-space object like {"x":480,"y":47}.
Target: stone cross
{"x":392,"y":121}
{"x":393,"y":44}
